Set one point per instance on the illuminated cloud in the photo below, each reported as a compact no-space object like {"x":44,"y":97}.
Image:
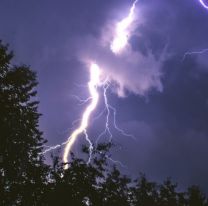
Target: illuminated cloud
{"x":131,"y":71}
{"x":128,"y":69}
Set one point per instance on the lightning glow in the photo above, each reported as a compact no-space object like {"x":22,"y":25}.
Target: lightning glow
{"x":90,"y":147}
{"x":110,"y":108}
{"x":195,"y":53}
{"x":107,"y":128}
{"x":92,"y":85}
{"x":119,"y":42}
{"x":50,"y":148}
{"x":82,"y":101}
{"x":122,"y":31}
{"x":203,"y":4}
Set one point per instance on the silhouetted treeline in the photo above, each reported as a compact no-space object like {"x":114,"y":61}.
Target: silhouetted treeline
{"x":26,"y":180}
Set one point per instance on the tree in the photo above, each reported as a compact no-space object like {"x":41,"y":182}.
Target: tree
{"x":196,"y":197}
{"x":115,"y":190}
{"x":145,"y":192}
{"x":22,"y":171}
{"x":168,"y":194}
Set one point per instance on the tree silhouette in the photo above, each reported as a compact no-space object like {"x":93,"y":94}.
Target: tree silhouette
{"x":115,"y":189}
{"x":196,"y":197}
{"x":145,"y":192}
{"x":168,"y":194}
{"x":21,"y":141}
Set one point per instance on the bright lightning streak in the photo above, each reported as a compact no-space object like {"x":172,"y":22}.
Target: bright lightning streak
{"x":50,"y":148}
{"x":115,"y":124}
{"x":90,"y":147}
{"x":119,"y":42}
{"x":82,"y":101}
{"x":203,"y":4}
{"x":107,"y":129}
{"x":194,"y":52}
{"x":116,"y":162}
{"x":122,"y":31}
{"x":110,"y":108}
{"x":92,"y":85}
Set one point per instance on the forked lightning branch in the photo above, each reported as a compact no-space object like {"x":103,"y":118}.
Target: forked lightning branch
{"x":117,"y":45}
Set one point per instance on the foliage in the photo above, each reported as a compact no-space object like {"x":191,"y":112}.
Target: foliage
{"x":22,"y":171}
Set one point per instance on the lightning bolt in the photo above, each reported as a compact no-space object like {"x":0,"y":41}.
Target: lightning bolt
{"x":117,"y":45}
{"x":82,"y":101}
{"x":203,"y":4}
{"x":107,"y":129}
{"x":92,"y":85}
{"x":90,"y":147}
{"x":110,"y":109}
{"x":122,"y":31}
{"x":50,"y":148}
{"x":194,"y":53}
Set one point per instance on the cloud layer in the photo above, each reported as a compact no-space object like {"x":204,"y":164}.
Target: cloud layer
{"x":130,"y":71}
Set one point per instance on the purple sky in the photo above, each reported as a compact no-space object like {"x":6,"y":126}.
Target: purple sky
{"x":170,"y":125}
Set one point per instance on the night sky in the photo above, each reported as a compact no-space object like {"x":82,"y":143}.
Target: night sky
{"x":163,"y":101}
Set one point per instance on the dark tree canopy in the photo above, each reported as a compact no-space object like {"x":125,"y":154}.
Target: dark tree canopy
{"x":20,"y":138}
{"x":25,"y":180}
